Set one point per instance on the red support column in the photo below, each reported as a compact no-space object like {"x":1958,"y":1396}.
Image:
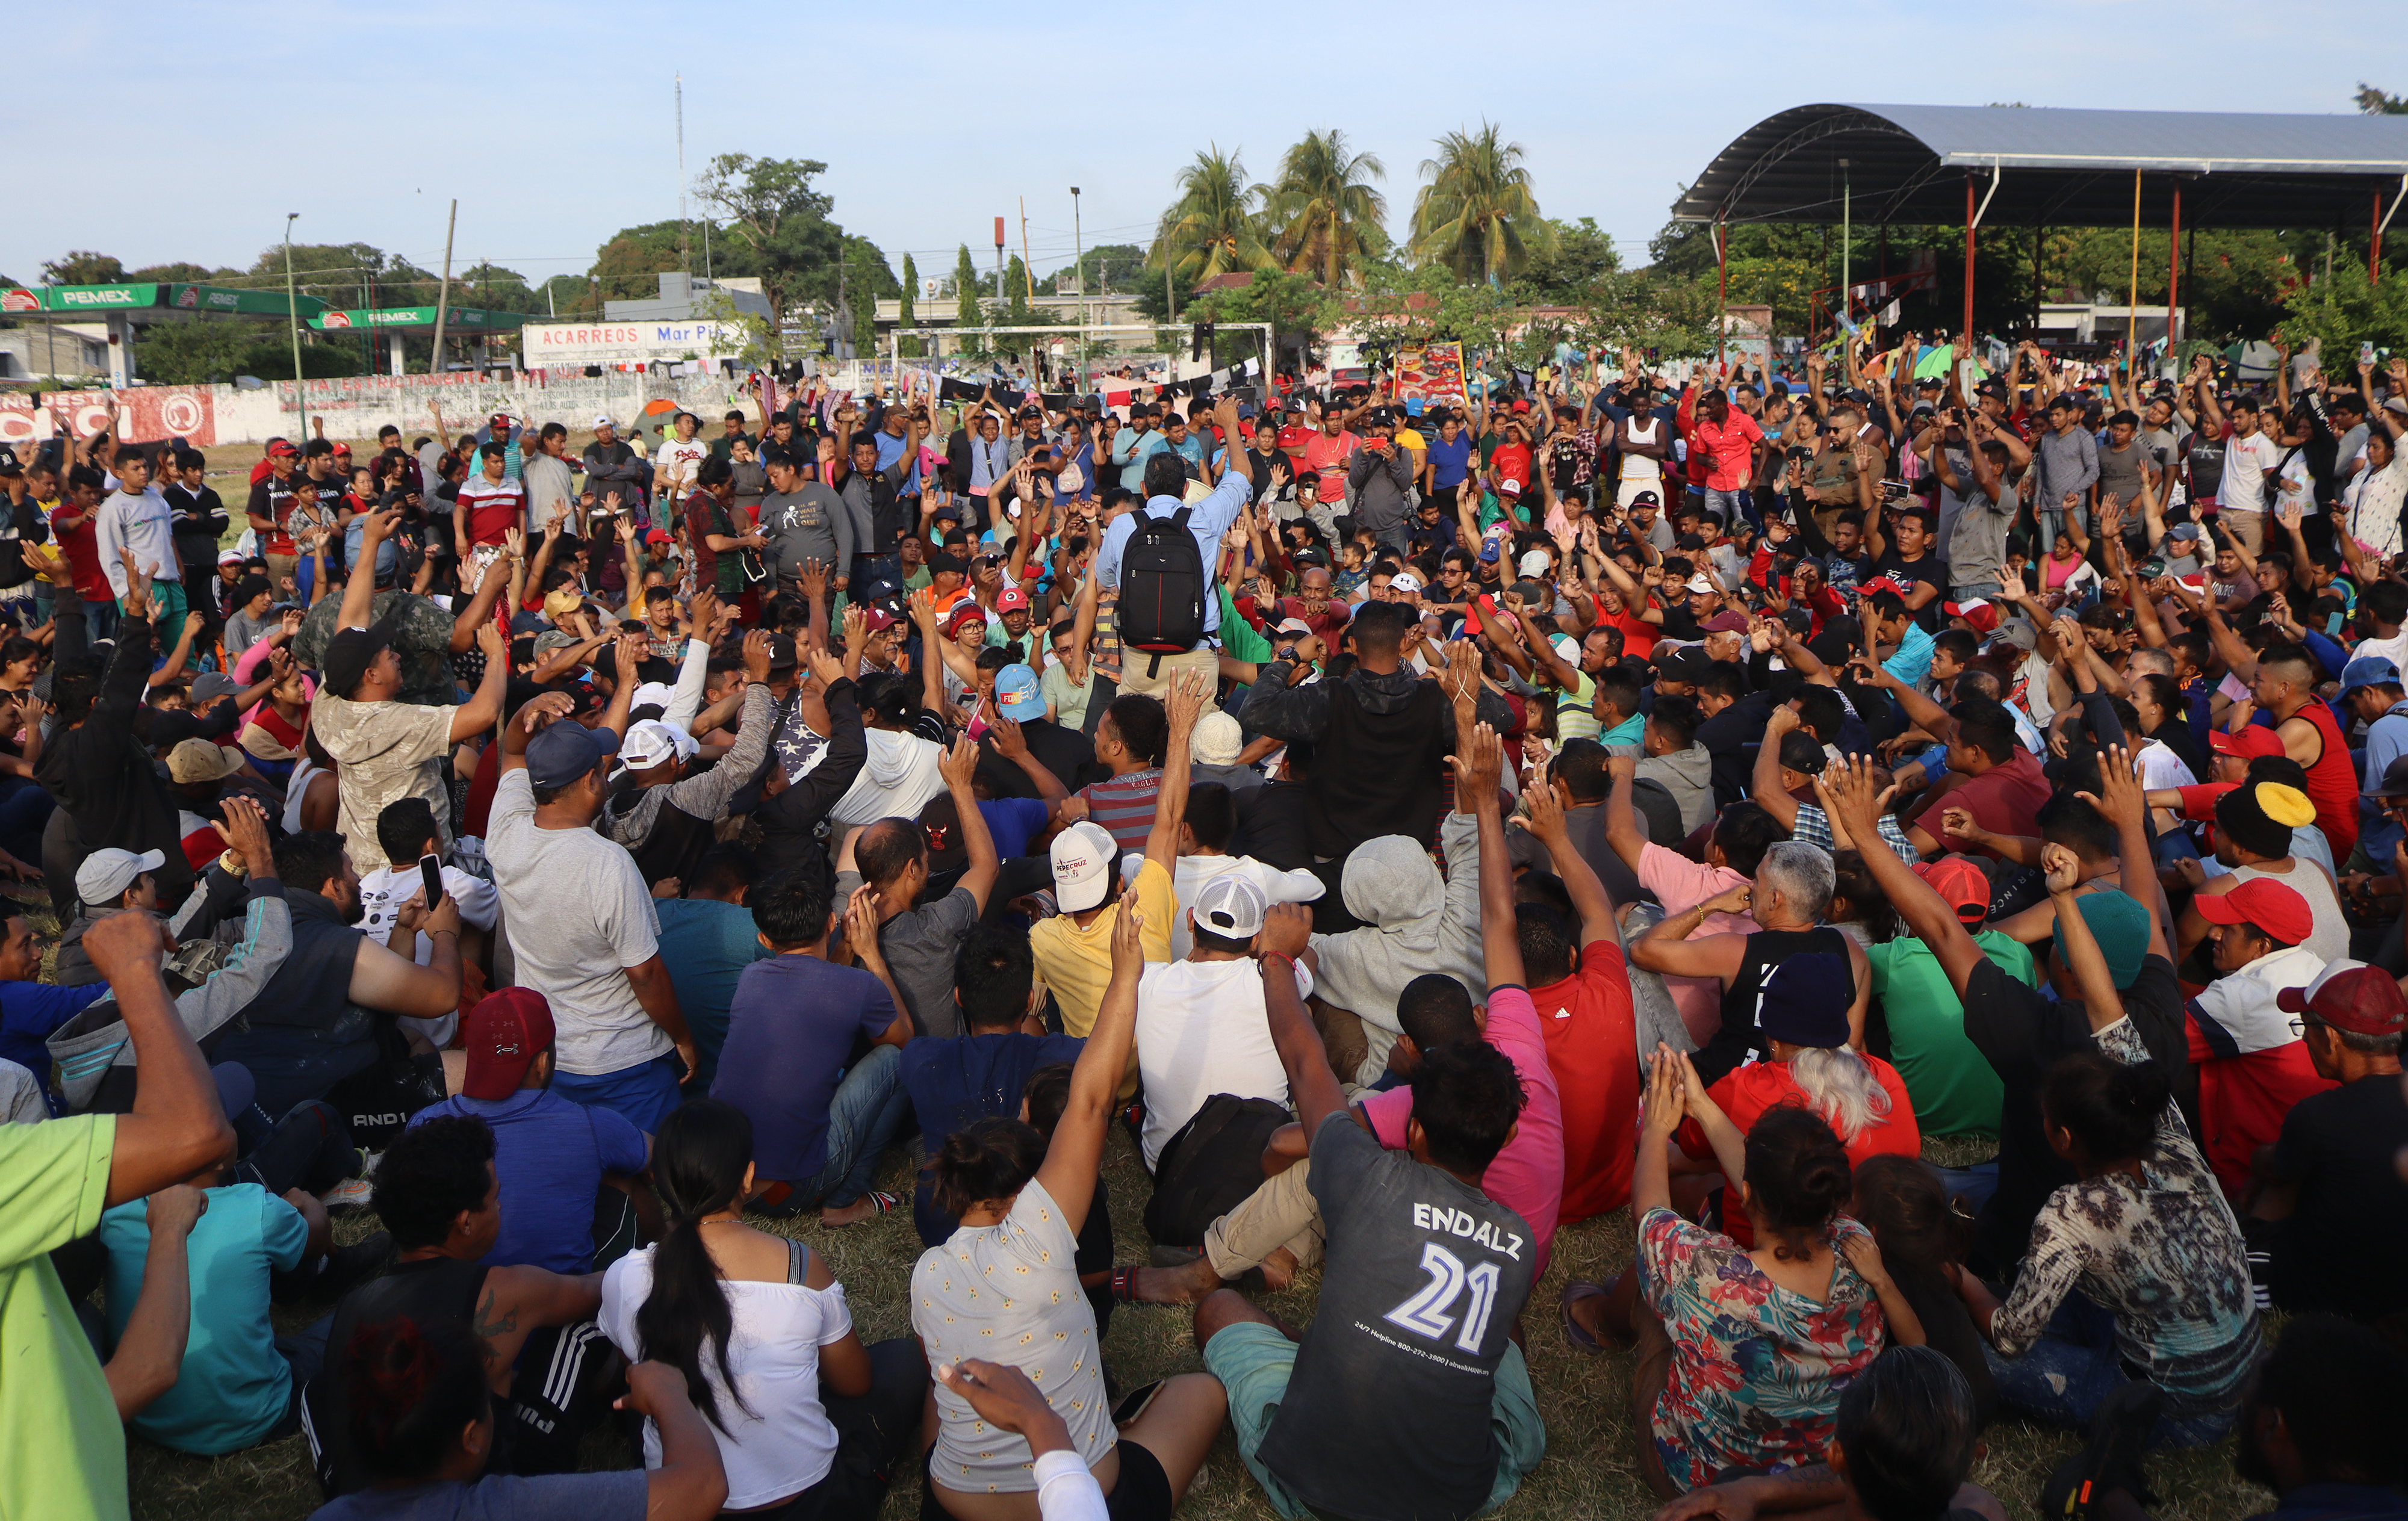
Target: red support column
{"x":2173,"y":272}
{"x":1969,"y":254}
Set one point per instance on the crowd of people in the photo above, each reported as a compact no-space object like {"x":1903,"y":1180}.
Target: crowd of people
{"x":1418,"y":825}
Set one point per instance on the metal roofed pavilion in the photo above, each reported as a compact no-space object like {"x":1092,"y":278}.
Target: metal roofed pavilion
{"x":2043,"y":166}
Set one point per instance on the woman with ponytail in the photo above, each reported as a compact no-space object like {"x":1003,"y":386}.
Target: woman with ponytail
{"x":810,"y":1423}
{"x":1005,"y":1288}
{"x":1802,"y":1012}
{"x":2137,"y":1269}
{"x":1742,"y":1353}
{"x":422,"y":1426}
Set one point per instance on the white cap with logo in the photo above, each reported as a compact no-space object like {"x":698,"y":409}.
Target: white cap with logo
{"x":1082,"y":858}
{"x":1231,"y":906}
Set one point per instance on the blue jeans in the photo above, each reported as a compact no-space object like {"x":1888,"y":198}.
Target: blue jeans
{"x":1732,"y":506}
{"x":1985,"y":590}
{"x":644,"y":1095}
{"x":870,"y":567}
{"x":1976,"y":1182}
{"x":868,"y":1109}
{"x":2064,"y":1377}
{"x":25,"y":807}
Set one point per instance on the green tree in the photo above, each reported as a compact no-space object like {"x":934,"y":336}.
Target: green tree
{"x":2345,"y":312}
{"x":1581,"y":256}
{"x":2375,"y":102}
{"x":1211,"y":228}
{"x":909,"y":346}
{"x":1478,"y":215}
{"x":967,"y":319}
{"x":784,"y":228}
{"x":171,"y":273}
{"x":492,"y":288}
{"x":625,"y":266}
{"x":1108,"y":267}
{"x":1323,"y":204}
{"x":82,"y":266}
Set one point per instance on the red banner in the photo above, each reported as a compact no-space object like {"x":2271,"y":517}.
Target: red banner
{"x":147,"y":414}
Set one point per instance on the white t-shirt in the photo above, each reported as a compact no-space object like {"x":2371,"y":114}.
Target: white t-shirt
{"x":2162,"y":768}
{"x":678,"y":462}
{"x":2294,"y":487}
{"x":382,"y":893}
{"x":578,"y":915}
{"x":788,"y":1443}
{"x":2246,"y":464}
{"x":1201,"y":1030}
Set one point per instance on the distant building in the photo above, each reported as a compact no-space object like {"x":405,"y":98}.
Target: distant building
{"x":38,"y":351}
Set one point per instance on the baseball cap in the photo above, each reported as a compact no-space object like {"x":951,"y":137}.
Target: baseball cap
{"x":2395,"y":780}
{"x":2350,"y":995}
{"x":781,"y":652}
{"x":651,"y":742}
{"x":1702,"y":586}
{"x":504,"y":1035}
{"x":2367,"y":670}
{"x":233,"y":557}
{"x":658,"y":536}
{"x":1566,"y":649}
{"x":1961,"y":885}
{"x":658,"y":694}
{"x":601,"y":420}
{"x":1804,"y":1002}
{"x":1534,"y":563}
{"x":1645,"y":498}
{"x":554,"y":638}
{"x":1297,"y":626}
{"x":1724,"y":622}
{"x":1405,"y":580}
{"x":1011,"y":599}
{"x":874,"y":619}
{"x":106,"y":874}
{"x":8,"y":465}
{"x":2183,"y":530}
{"x":940,"y":825}
{"x":2120,"y":926}
{"x":1508,"y":487}
{"x":2248,"y":744}
{"x":1216,"y":740}
{"x":2272,"y":907}
{"x":1017,"y":695}
{"x":1489,"y":553}
{"x":566,"y":751}
{"x":1082,"y":857}
{"x":349,"y":654}
{"x":1230,"y":905}
{"x":210,"y":686}
{"x":1686,"y":663}
{"x":281,"y":447}
{"x":1983,"y":614}
{"x":965,"y":611}
{"x":200,"y":760}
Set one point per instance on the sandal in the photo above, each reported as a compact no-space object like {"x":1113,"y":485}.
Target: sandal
{"x":881,"y":1199}
{"x":1124,"y":1285}
{"x":1580,"y":1291}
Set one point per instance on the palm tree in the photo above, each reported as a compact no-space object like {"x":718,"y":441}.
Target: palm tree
{"x":1324,"y":206}
{"x":1476,"y":215}
{"x":1213,"y":228}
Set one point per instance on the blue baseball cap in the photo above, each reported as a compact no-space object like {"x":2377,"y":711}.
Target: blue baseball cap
{"x":1488,"y":551}
{"x":566,"y":751}
{"x":1016,"y":693}
{"x":2367,"y":670}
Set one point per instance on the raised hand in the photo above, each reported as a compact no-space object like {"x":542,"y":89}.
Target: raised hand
{"x":2062,"y":866}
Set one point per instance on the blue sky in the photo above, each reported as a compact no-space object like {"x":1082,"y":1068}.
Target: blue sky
{"x":552,"y":123}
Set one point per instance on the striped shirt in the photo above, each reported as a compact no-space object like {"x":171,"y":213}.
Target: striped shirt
{"x":1124,"y":806}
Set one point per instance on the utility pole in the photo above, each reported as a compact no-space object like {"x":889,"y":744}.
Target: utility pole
{"x":685,"y":234}
{"x":1028,"y":271}
{"x":443,"y":292}
{"x":1078,"y":266}
{"x":293,"y":316}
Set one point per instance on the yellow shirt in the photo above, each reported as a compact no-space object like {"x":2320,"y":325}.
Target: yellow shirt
{"x":61,"y":1448}
{"x":1077,"y":963}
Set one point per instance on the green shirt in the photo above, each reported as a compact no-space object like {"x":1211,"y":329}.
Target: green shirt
{"x":1576,"y":710}
{"x":1955,"y":1090}
{"x":61,"y":1448}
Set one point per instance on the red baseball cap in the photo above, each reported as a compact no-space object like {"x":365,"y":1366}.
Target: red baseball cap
{"x":2350,"y":995}
{"x":963,"y":613}
{"x":1011,"y":599}
{"x":504,"y":1034}
{"x":1961,"y":883}
{"x":658,"y":536}
{"x":1983,"y":615}
{"x":281,"y":446}
{"x":2277,"y":910}
{"x":2250,"y":743}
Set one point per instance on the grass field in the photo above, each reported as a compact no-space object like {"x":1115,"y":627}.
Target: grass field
{"x":1588,"y":1471}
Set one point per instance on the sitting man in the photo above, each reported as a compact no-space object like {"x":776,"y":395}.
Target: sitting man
{"x":554,"y":1159}
{"x":821,"y":1120}
{"x":408,"y":831}
{"x":2330,"y":1182}
{"x":983,"y":1072}
{"x":1415,"y":1248}
{"x":313,"y":1025}
{"x":2251,"y":1056}
{"x":1206,"y":823}
{"x":549,"y":1366}
{"x":707,"y":939}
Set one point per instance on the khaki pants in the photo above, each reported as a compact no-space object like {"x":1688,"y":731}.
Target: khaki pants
{"x":1281,"y":1213}
{"x":1134,"y":664}
{"x":2248,"y":527}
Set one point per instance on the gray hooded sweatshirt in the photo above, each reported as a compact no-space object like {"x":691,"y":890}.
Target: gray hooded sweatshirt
{"x":1414,"y":921}
{"x":1688,"y":775}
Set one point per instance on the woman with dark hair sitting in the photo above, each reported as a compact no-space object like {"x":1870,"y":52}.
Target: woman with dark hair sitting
{"x":422,"y":1418}
{"x":1005,"y":1286}
{"x":1743,"y":1353}
{"x":2135,"y":1270}
{"x":810,"y":1423}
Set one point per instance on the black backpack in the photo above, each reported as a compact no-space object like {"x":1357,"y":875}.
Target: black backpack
{"x":1161,"y":609}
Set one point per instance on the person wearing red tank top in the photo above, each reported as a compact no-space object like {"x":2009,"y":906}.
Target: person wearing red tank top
{"x":2282,"y":680}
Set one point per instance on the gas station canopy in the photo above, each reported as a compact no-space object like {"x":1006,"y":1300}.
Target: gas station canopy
{"x":144,"y":301}
{"x":411,"y":319}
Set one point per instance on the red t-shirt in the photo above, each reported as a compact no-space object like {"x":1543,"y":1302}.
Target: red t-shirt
{"x":1292,"y":438}
{"x":80,"y":548}
{"x":2005,"y":799}
{"x":1732,"y":445}
{"x":1511,"y":462}
{"x":1639,"y":636}
{"x":1592,"y":1048}
{"x":494,"y":507}
{"x":1326,"y":456}
{"x":1745,"y":1094}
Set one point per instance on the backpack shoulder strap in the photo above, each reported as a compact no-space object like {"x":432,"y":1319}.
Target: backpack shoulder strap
{"x":1179,"y":518}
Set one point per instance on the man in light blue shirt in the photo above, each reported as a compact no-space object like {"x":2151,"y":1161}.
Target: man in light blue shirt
{"x":1912,"y":662}
{"x":1134,"y":445}
{"x":1164,"y":480}
{"x":892,"y":445}
{"x":2370,"y":691}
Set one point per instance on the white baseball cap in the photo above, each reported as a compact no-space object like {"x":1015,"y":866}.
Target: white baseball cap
{"x":651,"y":742}
{"x":654,"y":695}
{"x":1082,"y":856}
{"x":1534,"y":563}
{"x":1230,"y":905}
{"x":1405,"y":580}
{"x":1703,"y":587}
{"x":106,"y":874}
{"x":603,"y":422}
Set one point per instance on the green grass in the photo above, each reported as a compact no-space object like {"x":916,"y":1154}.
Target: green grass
{"x":1588,"y":1471}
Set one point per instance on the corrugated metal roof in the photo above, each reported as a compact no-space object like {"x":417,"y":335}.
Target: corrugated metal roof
{"x":1907,"y":164}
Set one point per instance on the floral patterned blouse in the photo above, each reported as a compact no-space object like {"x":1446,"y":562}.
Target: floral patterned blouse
{"x":1757,"y":1369}
{"x":2164,"y":1254}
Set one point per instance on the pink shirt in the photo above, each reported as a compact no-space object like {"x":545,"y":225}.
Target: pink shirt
{"x":1527,"y":1176}
{"x":1680,"y":884}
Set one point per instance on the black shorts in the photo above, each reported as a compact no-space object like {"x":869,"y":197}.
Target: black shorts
{"x":1143,"y":1492}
